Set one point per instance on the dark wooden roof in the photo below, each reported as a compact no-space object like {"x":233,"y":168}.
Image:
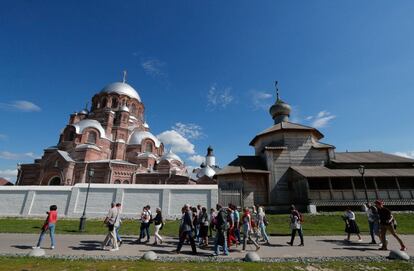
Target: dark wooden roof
{"x":320,"y":171}
{"x":245,"y":164}
{"x":369,"y":157}
{"x":286,"y":126}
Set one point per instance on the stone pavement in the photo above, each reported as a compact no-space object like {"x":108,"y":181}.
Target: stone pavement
{"x":89,"y":245}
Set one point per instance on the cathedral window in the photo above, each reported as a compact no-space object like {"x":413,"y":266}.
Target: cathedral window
{"x":125,"y":182}
{"x":91,"y":138}
{"x":117,"y":182}
{"x":104,"y":102}
{"x":54,"y":181}
{"x":148,"y":147}
{"x":70,"y":136}
{"x":114,"y":102}
{"x":133,"y":109}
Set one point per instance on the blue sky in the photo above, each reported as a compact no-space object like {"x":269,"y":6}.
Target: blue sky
{"x":206,"y":70}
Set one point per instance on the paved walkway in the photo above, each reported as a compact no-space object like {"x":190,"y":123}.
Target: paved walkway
{"x":89,"y":245}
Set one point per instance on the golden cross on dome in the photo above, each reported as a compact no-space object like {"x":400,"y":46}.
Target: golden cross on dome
{"x":124,"y":77}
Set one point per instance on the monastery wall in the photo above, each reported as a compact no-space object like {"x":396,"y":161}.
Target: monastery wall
{"x":34,"y":201}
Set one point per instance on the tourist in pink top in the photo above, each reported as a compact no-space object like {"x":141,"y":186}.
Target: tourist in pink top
{"x":49,"y":224}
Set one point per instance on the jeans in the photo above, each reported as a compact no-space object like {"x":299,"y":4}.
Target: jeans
{"x":118,"y":237}
{"x":144,"y":230}
{"x":292,"y":236}
{"x":220,"y":234}
{"x":51,"y":229}
{"x":262,"y":227}
{"x":237,"y":234}
{"x":183,"y":236}
{"x":373,"y":230}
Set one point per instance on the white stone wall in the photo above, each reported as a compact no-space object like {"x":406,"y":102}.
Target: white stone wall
{"x":34,"y":201}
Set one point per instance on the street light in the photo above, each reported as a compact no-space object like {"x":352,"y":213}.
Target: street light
{"x":91,"y":172}
{"x":361,"y":170}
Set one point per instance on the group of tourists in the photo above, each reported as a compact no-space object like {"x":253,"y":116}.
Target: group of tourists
{"x":380,"y":220}
{"x":197,"y":225}
{"x":228,"y":224}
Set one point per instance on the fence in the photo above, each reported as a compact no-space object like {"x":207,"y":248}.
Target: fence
{"x":34,"y":201}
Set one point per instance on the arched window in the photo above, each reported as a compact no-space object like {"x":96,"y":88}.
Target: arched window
{"x":133,"y":109}
{"x":114,"y":102}
{"x":148,"y":147}
{"x":117,"y":182}
{"x":125,"y":182}
{"x":91,"y":138}
{"x":104,"y":102}
{"x":55,"y":181}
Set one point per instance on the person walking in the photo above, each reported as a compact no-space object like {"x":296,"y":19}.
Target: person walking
{"x":262,"y":221}
{"x":387,"y":223}
{"x":158,"y":224}
{"x":248,"y":229}
{"x":49,"y":225}
{"x":373,"y":221}
{"x":351,"y":227}
{"x":186,"y":230}
{"x":231,"y":237}
{"x":212,"y":226}
{"x":236,"y":218}
{"x":204,"y":223}
{"x":118,"y":225}
{"x":145,"y":219}
{"x":221,"y":231}
{"x":111,"y":220}
{"x":295,"y":225}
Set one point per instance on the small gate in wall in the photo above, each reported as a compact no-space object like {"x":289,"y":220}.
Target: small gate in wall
{"x":231,"y":192}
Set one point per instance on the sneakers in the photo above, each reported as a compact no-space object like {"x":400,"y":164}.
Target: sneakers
{"x":359,"y":240}
{"x":289,"y":243}
{"x":403,"y":248}
{"x":114,"y":249}
{"x":35,"y":247}
{"x":52,"y":247}
{"x":301,"y":244}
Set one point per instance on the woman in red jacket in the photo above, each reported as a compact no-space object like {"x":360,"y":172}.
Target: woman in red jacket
{"x":49,"y":224}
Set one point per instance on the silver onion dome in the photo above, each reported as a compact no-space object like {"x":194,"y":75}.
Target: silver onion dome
{"x":121,"y":89}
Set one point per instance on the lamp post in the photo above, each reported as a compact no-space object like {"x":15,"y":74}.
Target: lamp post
{"x":91,"y":172}
{"x":361,"y":170}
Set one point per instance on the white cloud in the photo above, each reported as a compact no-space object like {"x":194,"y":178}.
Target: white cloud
{"x":176,"y":142}
{"x":407,"y":154}
{"x":321,"y":120}
{"x":197,"y":159}
{"x":219,"y":98}
{"x":16,"y":156}
{"x":9,"y":174}
{"x":23,"y":106}
{"x":189,"y":130}
{"x":260,"y":99}
{"x":153,"y":67}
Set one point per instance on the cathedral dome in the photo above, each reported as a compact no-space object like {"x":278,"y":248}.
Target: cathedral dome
{"x":137,"y":137}
{"x":122,"y":89}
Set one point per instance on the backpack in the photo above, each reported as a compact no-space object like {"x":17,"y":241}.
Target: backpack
{"x":265,"y":221}
{"x":222,"y":220}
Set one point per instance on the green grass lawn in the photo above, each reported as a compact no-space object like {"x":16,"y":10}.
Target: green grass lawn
{"x":323,"y":224}
{"x":33,"y":264}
